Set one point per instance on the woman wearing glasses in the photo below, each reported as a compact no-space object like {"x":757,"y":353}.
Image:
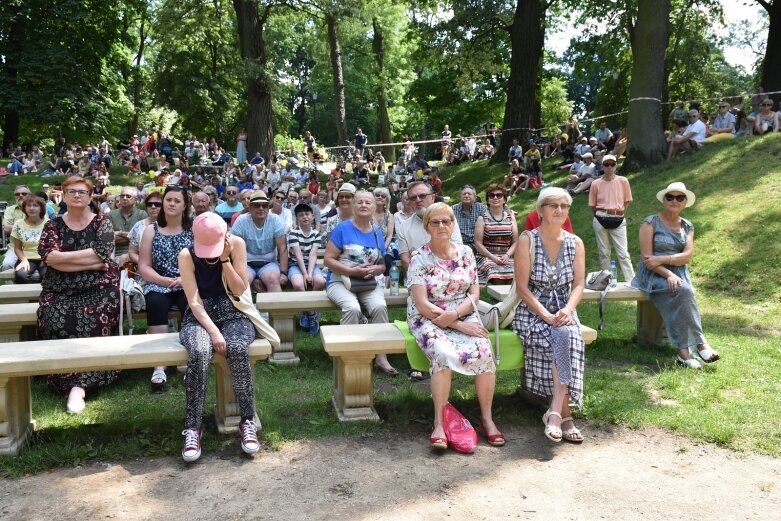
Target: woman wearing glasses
{"x":666,"y":246}
{"x":550,"y":270}
{"x":80,"y":289}
{"x":496,"y":233}
{"x":157,"y":264}
{"x":724,"y":125}
{"x":443,"y":286}
{"x":766,"y":120}
{"x":153,"y":202}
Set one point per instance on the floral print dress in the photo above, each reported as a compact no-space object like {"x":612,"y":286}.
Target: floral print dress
{"x":447,"y":283}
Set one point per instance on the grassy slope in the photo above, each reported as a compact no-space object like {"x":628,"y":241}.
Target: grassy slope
{"x":733,"y":403}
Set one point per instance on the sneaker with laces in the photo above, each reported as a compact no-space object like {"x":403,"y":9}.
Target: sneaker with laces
{"x":249,"y":437}
{"x":314,"y":323}
{"x":191,"y":450}
{"x":304,"y":320}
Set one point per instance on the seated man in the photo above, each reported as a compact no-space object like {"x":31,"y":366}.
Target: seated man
{"x":123,"y":219}
{"x":516,"y":152}
{"x":264,"y":233}
{"x":605,"y":138}
{"x":581,"y":182}
{"x":485,"y":151}
{"x":692,"y":137}
{"x":723,"y":127}
{"x":231,"y":206}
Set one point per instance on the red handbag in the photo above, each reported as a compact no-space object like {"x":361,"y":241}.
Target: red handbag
{"x":461,"y":436}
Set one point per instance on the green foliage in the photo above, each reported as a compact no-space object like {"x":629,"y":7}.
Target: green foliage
{"x":555,"y":106}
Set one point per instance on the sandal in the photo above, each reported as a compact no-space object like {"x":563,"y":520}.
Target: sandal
{"x":437,"y":442}
{"x":416,"y":375}
{"x":497,"y":440}
{"x":158,"y":380}
{"x":572,"y":434}
{"x":691,"y":363}
{"x":707,"y":354}
{"x":390,"y":371}
{"x":552,"y":432}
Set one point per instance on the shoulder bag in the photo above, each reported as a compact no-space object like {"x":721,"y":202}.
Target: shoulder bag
{"x":244,"y":304}
{"x":600,"y":281}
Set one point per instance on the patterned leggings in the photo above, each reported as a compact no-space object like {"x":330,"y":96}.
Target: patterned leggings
{"x":239,"y":334}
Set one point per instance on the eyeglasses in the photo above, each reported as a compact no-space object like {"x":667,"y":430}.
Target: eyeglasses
{"x":420,"y":197}
{"x":231,"y":192}
{"x":126,"y":196}
{"x":496,"y":195}
{"x":154,"y":204}
{"x":558,"y":206}
{"x":81,"y":193}
{"x":262,"y":206}
{"x":279,"y":197}
{"x":21,"y":194}
{"x":670,"y":197}
{"x":767,"y":104}
{"x":608,"y":165}
{"x":437,"y":223}
{"x":380,"y":195}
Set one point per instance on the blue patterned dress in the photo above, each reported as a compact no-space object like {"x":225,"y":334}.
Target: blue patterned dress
{"x":447,"y":283}
{"x":545,"y":345}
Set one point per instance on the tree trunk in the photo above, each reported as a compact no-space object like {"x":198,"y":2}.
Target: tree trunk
{"x":132,"y":126}
{"x":771,"y":72}
{"x":522,"y":110}
{"x":253,"y":52}
{"x":647,"y":145}
{"x":17,"y":27}
{"x":389,"y":153}
{"x":340,"y":112}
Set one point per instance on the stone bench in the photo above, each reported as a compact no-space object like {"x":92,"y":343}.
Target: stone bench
{"x":16,"y":293}
{"x":650,"y":328}
{"x":20,"y":361}
{"x":353,"y":349}
{"x":283,"y":307}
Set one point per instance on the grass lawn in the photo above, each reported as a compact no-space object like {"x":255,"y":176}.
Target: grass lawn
{"x":733,"y":403}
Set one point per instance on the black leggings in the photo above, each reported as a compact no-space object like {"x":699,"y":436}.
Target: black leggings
{"x":23,"y":276}
{"x":159,"y":304}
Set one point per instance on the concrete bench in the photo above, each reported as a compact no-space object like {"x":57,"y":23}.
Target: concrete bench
{"x":16,"y":293}
{"x":283,"y":307}
{"x":650,"y":328}
{"x":353,"y":349}
{"x":20,"y":361}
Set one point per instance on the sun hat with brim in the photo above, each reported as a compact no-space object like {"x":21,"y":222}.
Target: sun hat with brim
{"x":347,"y":187}
{"x":209,"y":235}
{"x":258,"y":196}
{"x":677,"y":187}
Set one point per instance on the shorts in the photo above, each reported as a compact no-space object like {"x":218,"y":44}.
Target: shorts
{"x":293,"y":270}
{"x":256,"y":273}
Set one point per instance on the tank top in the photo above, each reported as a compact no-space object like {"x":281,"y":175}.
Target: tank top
{"x":208,"y":277}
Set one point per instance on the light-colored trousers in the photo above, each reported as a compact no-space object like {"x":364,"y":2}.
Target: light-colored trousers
{"x":370,"y":304}
{"x":618,"y":237}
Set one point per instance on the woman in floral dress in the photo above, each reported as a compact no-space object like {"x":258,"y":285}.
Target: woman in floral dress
{"x":443,"y":286}
{"x":80,"y":290}
{"x":550,"y":277}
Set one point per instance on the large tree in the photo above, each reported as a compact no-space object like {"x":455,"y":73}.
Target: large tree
{"x":649,"y":40}
{"x":771,"y":72}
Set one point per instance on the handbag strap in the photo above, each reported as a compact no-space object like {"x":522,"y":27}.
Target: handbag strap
{"x":602,"y":298}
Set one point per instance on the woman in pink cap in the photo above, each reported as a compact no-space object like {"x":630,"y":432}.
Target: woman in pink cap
{"x":212,"y":324}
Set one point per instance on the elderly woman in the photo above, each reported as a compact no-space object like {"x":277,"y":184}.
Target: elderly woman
{"x":766,"y":120}
{"x":549,"y":276}
{"x":160,"y":244}
{"x":382,"y":217}
{"x":26,"y":234}
{"x":80,"y":289}
{"x":153,"y":202}
{"x":496,"y":233}
{"x":344,"y":208}
{"x":355,"y":252}
{"x":441,"y":315}
{"x":666,"y":246}
{"x":214,"y":262}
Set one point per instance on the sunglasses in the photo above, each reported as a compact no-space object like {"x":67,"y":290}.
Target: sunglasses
{"x":231,"y":192}
{"x":279,"y":197}
{"x":420,"y":197}
{"x":496,"y":195}
{"x":262,"y":206}
{"x":155,"y":204}
{"x":21,"y":194}
{"x":609,"y":165}
{"x":671,"y":197}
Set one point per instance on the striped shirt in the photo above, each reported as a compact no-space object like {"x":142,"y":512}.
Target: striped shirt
{"x":296,"y":236}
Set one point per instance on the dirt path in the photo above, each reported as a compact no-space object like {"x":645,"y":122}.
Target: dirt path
{"x":617,"y":474}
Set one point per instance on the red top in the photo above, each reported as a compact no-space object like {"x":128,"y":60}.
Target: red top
{"x":313,"y":187}
{"x":533,"y":221}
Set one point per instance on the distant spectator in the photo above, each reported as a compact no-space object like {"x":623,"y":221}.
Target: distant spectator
{"x":496,"y":232}
{"x":724,"y":124}
{"x":123,"y":219}
{"x":231,"y":206}
{"x":605,"y":138}
{"x":516,"y":152}
{"x":532,"y":153}
{"x":466,"y":213}
{"x":677,"y":117}
{"x":26,"y":234}
{"x":485,"y":151}
{"x":766,"y":119}
{"x":581,"y":181}
{"x":692,"y":137}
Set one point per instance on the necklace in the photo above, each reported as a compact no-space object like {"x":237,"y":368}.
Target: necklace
{"x":212,"y":263}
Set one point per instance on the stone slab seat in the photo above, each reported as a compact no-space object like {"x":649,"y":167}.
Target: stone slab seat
{"x":18,"y":293}
{"x":283,"y":307}
{"x":21,"y":360}
{"x":353,"y":349}
{"x":7,"y":274}
{"x":650,"y":327}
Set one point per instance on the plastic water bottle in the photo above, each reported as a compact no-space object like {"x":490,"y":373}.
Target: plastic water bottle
{"x":394,"y":278}
{"x":614,"y":273}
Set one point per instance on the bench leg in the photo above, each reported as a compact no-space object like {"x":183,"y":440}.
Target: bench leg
{"x":650,"y":327}
{"x":10,"y":333}
{"x":16,"y":421}
{"x":353,"y":388}
{"x":285,"y":326}
{"x":226,"y":411}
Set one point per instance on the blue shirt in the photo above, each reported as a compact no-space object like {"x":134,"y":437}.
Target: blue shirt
{"x":256,"y":160}
{"x":260,"y":241}
{"x":226,"y":211}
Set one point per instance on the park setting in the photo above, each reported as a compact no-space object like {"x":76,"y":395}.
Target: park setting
{"x":263,"y":107}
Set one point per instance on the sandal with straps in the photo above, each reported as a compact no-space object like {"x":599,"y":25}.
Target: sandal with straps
{"x":552,"y":432}
{"x":572,"y":434}
{"x":158,"y":380}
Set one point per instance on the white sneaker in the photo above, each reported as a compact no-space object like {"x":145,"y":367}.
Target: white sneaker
{"x":191,"y":450}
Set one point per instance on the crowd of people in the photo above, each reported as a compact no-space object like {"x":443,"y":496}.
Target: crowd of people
{"x":201,"y":239}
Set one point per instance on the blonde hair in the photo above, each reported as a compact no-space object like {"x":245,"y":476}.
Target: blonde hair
{"x":437,"y":207}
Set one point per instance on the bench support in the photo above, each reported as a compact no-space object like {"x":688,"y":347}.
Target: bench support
{"x":285,"y":325}
{"x":353,"y":387}
{"x":10,"y":333}
{"x":226,"y":411}
{"x":650,"y":327}
{"x":16,"y":421}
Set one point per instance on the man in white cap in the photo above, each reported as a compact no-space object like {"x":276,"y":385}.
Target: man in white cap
{"x":264,"y":233}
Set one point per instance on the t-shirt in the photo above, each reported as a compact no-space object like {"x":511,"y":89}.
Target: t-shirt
{"x":603,"y":135}
{"x":122,"y":224}
{"x":700,"y":132}
{"x":533,"y":153}
{"x":412,"y":236}
{"x":357,"y":248}
{"x":515,"y":152}
{"x":30,"y":237}
{"x":610,"y":195}
{"x":260,"y":241}
{"x":296,"y":236}
{"x":226,"y":211}
{"x":588,"y":170}
{"x":360,"y":140}
{"x":724,"y":121}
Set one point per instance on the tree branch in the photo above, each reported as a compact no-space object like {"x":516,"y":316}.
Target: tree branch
{"x":764,"y":4}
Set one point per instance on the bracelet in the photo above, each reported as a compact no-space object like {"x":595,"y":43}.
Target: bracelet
{"x":224,"y":261}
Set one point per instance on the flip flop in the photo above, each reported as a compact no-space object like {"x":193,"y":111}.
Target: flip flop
{"x":390,"y":371}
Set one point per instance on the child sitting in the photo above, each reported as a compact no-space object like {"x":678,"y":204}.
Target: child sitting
{"x":303,"y":272}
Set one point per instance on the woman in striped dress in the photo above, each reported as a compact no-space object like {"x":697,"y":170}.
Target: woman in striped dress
{"x":496,"y":233}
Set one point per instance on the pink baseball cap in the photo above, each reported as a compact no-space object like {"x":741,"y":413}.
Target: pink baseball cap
{"x":209,"y":235}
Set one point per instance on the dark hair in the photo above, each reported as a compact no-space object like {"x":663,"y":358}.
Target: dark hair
{"x":495,"y":187}
{"x":187,"y":220}
{"x":75,"y":180}
{"x":29,"y":199}
{"x":152,"y":194}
